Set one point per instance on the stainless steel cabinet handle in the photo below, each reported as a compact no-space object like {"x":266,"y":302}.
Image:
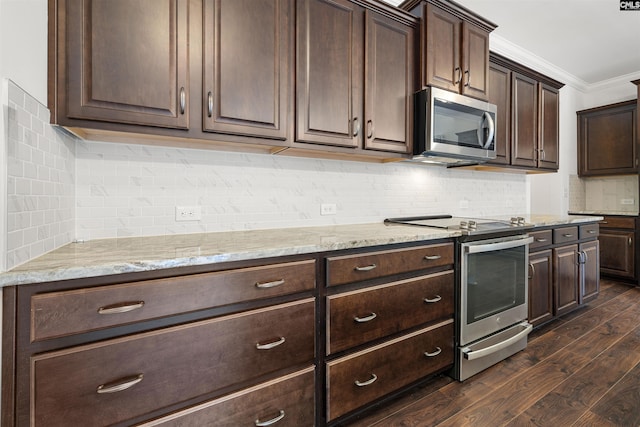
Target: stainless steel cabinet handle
{"x":604,"y":222}
{"x":366,"y":268}
{"x":270,"y":345}
{"x":541,"y":240}
{"x":120,"y":385}
{"x":122,"y":307}
{"x":369,"y":129}
{"x":459,"y":78}
{"x":266,"y":285}
{"x":270,"y":422}
{"x":468,"y":74}
{"x":210,"y":104}
{"x":591,"y":231}
{"x":567,"y":235}
{"x":630,"y":241}
{"x":356,"y":126}
{"x":533,"y":271}
{"x":370,"y":381}
{"x":436,"y":299}
{"x":366,"y":319}
{"x":183,"y":100}
{"x":435,"y":353}
{"x":543,"y":155}
{"x":432,"y":257}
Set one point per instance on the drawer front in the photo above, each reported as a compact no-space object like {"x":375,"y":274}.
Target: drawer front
{"x":358,"y":379}
{"x":358,"y":317}
{"x":287,"y":401}
{"x":618,"y":222}
{"x":116,"y":380}
{"x":588,"y":231}
{"x":541,"y":239}
{"x":57,"y":314}
{"x":354,"y":268}
{"x":565,"y":234}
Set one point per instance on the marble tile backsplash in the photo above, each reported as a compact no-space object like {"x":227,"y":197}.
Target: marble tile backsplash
{"x":615,"y":194}
{"x":40,"y":180}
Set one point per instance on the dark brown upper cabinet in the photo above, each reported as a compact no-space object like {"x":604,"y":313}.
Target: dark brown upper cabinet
{"x":607,"y":140}
{"x":120,"y":61}
{"x":347,"y":95}
{"x":247,"y":67}
{"x":454,"y":47}
{"x":528,"y":116}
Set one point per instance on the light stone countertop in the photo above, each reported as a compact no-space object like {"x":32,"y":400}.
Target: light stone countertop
{"x":618,"y":213}
{"x":134,"y":254}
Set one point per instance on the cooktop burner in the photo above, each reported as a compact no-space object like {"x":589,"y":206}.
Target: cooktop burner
{"x":466,"y":226}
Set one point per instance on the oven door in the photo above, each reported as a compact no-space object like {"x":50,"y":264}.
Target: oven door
{"x":493,"y":286}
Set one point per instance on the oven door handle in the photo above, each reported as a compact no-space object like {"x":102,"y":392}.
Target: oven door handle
{"x":487,"y":247}
{"x":477,"y":354}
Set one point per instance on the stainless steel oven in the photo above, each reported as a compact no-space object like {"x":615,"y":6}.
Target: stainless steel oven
{"x":493,"y":303}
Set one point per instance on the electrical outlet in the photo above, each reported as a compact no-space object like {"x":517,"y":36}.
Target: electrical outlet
{"x":328,"y":209}
{"x":188,"y":213}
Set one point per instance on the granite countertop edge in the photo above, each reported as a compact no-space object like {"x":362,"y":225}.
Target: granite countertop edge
{"x":137,"y":254}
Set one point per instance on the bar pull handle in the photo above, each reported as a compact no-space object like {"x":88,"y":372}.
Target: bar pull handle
{"x":370,"y":381}
{"x":270,"y":422}
{"x":459,"y":78}
{"x":369,"y":129}
{"x":356,"y":126}
{"x":432,"y":257}
{"x":270,"y":345}
{"x":210,"y":104}
{"x":266,"y":285}
{"x":533,"y":271}
{"x":591,"y":231}
{"x":435,"y":353}
{"x":436,"y":299}
{"x":119,"y":385}
{"x":366,"y":268}
{"x":630,"y":241}
{"x":604,"y":222}
{"x":567,"y":235}
{"x":183,"y":100}
{"x":365,"y":319}
{"x":122,"y":307}
{"x":468,"y":74}
{"x":541,"y":240}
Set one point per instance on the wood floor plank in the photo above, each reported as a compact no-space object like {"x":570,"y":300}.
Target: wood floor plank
{"x":620,"y":404}
{"x":589,"y":419}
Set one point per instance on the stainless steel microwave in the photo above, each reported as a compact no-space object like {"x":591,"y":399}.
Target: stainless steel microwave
{"x":453,"y":129}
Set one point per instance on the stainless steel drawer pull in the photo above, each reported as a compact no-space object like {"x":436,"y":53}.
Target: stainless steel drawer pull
{"x":436,"y":299}
{"x":591,"y":231}
{"x":432,"y":257}
{"x":369,"y":318}
{"x":183,"y":100}
{"x":122,"y":307}
{"x":435,"y":353}
{"x":604,"y":222}
{"x":270,"y":422}
{"x":541,"y":240}
{"x":567,"y":235}
{"x":370,"y":381}
{"x":270,"y":345}
{"x":273,"y":284}
{"x":210,"y":104}
{"x":366,"y":267}
{"x":120,"y":385}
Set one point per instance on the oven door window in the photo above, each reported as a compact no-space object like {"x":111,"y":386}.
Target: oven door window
{"x":496,"y":282}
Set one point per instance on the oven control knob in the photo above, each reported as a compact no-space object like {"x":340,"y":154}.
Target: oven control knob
{"x":521,"y":220}
{"x":473,"y":225}
{"x":514,"y":220}
{"x":464,"y":225}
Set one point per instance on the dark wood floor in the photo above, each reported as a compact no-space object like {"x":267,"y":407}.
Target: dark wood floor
{"x":580,"y":370}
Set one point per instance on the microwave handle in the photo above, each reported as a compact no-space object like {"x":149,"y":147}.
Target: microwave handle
{"x":492,"y":129}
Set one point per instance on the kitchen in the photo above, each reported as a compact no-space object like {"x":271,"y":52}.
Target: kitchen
{"x":117,"y":190}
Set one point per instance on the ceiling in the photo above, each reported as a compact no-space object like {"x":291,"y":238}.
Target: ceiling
{"x":591,"y":40}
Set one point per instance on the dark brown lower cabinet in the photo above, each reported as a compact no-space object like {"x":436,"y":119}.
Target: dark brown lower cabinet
{"x":618,"y":247}
{"x":540,"y":287}
{"x":565,"y":278}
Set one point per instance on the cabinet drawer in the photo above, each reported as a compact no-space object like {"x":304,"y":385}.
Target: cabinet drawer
{"x":355,"y":380}
{"x":365,"y":315}
{"x":115,"y":380}
{"x":288,"y":401}
{"x":588,"y":231}
{"x":565,"y":234}
{"x":56,"y":314}
{"x":354,"y":268}
{"x":618,"y":222}
{"x":541,"y":239}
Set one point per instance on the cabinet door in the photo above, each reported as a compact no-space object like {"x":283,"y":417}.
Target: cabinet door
{"x":540,"y":287}
{"x":524,"y":120}
{"x":566,"y":278}
{"x":617,"y":252}
{"x":126,"y":61}
{"x":247,"y":67}
{"x":389,"y":84}
{"x":329,"y":72}
{"x":548,"y":144}
{"x":590,"y":271}
{"x":607,"y":141}
{"x":442,"y":58}
{"x":500,"y":95}
{"x":475,"y":61}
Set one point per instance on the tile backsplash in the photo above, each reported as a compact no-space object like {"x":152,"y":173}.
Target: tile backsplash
{"x":62,"y":188}
{"x":615,"y":194}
